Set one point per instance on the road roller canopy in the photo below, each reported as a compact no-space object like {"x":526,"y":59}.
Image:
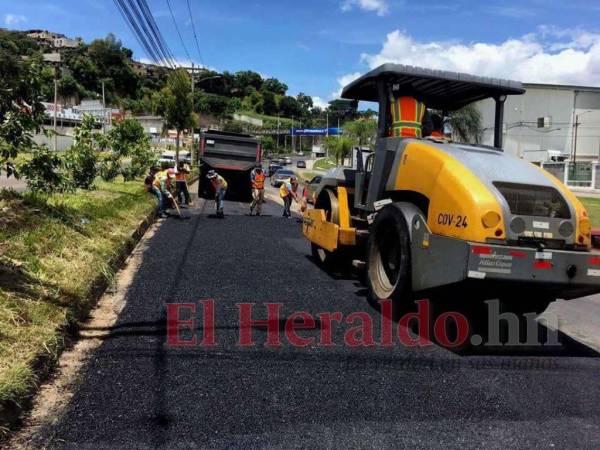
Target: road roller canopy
{"x":438,"y":89}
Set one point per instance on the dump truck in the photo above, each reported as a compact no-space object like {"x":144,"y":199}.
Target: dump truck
{"x":233,"y":156}
{"x":448,"y":221}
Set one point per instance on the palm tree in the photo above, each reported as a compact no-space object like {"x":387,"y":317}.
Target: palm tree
{"x":466,"y":124}
{"x":340,"y":146}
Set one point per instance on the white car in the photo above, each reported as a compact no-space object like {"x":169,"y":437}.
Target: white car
{"x":288,"y":160}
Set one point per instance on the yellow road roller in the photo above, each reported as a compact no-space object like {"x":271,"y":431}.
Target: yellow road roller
{"x":425,"y":217}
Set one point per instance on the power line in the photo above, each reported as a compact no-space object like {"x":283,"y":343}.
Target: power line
{"x":194,"y":30}
{"x":133,"y":26}
{"x":178,"y":32}
{"x":159,"y":39}
{"x":140,"y":20}
{"x":146,"y":19}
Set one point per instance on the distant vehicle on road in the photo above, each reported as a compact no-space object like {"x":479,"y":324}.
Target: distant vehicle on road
{"x":281,"y":161}
{"x":273,"y":168}
{"x":301,"y":164}
{"x":281,"y":176}
{"x":185,"y":157}
{"x":288,"y":160}
{"x":168,"y":159}
{"x":313,"y":186}
{"x":233,"y":156}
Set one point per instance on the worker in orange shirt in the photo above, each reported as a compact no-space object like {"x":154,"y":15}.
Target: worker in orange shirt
{"x":183,"y":192}
{"x":258,"y":190}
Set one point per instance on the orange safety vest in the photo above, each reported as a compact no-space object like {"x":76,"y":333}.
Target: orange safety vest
{"x":259,"y":181}
{"x":407,"y":117}
{"x":437,"y":134}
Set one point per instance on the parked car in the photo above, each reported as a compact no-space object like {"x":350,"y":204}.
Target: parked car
{"x":301,"y":164}
{"x":273,"y":168}
{"x":288,"y":160}
{"x":313,"y":185}
{"x":167,"y":159}
{"x":281,"y":161}
{"x":282,"y":175}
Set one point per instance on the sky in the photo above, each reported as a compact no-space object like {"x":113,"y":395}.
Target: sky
{"x":317,"y":46}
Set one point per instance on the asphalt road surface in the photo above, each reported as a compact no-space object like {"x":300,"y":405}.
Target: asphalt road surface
{"x":138,"y":392}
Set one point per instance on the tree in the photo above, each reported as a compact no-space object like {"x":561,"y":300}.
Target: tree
{"x":341,"y":147}
{"x":246,"y":80}
{"x":290,"y":107}
{"x":216,"y":105}
{"x":343,"y":110}
{"x":44,"y":171}
{"x":269,"y":103}
{"x":364,"y":131}
{"x":275,"y":86}
{"x":175,"y":104}
{"x":466,"y":124}
{"x":268,"y":145}
{"x":82,"y":157}
{"x":305,"y":102}
{"x":21,"y":113}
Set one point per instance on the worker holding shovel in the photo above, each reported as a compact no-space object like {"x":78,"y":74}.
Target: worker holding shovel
{"x":220,"y":186}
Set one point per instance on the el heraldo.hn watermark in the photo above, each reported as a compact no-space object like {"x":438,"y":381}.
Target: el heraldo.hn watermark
{"x":194,"y":325}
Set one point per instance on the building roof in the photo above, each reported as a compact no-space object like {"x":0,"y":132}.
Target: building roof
{"x":438,"y":89}
{"x":566,"y":87}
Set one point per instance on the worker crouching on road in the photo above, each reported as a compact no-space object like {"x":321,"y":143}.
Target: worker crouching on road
{"x":183,"y":193}
{"x":288,"y":192}
{"x":258,"y":190}
{"x":162,"y":185}
{"x":220,"y":186}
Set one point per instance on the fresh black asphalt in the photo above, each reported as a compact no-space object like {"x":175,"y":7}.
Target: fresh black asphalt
{"x":137,"y":392}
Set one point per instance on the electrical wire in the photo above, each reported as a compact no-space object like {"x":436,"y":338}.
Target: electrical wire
{"x":195,"y":35}
{"x":178,"y":32}
{"x":133,"y":26}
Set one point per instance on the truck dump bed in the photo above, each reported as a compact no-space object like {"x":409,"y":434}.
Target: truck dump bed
{"x":233,"y":156}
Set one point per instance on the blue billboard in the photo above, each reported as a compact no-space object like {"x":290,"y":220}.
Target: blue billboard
{"x":316,"y":131}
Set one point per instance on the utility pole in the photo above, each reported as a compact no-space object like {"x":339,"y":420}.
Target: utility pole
{"x":293,"y":140}
{"x":278,"y":124}
{"x":103,"y":109}
{"x":55,"y":111}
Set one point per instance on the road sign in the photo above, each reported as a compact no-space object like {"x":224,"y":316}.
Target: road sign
{"x":316,"y":131}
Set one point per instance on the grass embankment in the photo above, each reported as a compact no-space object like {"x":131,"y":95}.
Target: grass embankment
{"x":324,"y":164}
{"x":593,"y":208}
{"x":57,"y":252}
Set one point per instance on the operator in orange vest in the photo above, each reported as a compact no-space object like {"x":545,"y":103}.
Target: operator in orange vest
{"x":407,"y":117}
{"x":258,"y":190}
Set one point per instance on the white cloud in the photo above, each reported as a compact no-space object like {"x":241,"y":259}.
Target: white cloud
{"x":549,"y":55}
{"x":344,"y":81}
{"x":14,"y":19}
{"x":381,"y":7}
{"x":320,"y":103}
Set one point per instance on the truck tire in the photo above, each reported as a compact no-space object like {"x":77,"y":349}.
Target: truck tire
{"x":389,"y":261}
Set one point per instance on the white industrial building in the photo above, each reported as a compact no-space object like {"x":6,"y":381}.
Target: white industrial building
{"x":550,"y":124}
{"x":544,"y":119}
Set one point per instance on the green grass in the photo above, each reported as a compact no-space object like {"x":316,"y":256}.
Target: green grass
{"x":593,"y":208}
{"x":307,"y":175}
{"x":53,"y":251}
{"x":324,"y":164}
